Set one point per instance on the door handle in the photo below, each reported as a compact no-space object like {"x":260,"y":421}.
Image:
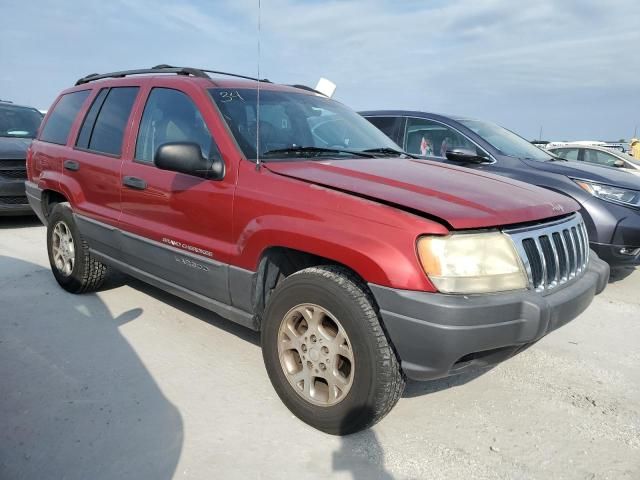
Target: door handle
{"x":134,"y":182}
{"x":71,"y":165}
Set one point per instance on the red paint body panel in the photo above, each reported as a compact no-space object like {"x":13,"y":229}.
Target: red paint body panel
{"x":461,"y":197}
{"x":300,"y":205}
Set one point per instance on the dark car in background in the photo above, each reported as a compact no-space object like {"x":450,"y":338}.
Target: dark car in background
{"x":18,"y":126}
{"x":609,"y":198}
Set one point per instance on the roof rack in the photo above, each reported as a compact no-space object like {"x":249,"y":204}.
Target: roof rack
{"x":163,"y":68}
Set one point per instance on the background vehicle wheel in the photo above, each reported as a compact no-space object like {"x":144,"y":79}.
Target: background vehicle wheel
{"x":326,"y":353}
{"x":74,"y":268}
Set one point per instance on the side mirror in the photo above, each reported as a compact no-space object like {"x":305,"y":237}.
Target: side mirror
{"x":619,"y":164}
{"x":464,"y":155}
{"x":186,"y":157}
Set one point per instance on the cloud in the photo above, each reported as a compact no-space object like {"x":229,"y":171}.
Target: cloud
{"x":562,"y":64}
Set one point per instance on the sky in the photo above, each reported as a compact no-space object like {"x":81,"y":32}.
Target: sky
{"x":570,"y":67}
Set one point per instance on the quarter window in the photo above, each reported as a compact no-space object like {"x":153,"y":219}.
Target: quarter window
{"x":171,"y":116}
{"x":58,"y":125}
{"x":432,"y":139}
{"x":104,"y":125}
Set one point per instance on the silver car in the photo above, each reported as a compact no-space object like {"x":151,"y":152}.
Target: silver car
{"x":605,"y":157}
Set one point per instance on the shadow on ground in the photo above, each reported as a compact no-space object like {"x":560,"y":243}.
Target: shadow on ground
{"x":76,"y":402}
{"x":360,"y":454}
{"x":19,"y":222}
{"x":416,"y":389}
{"x":194,"y":310}
{"x":620,"y":273}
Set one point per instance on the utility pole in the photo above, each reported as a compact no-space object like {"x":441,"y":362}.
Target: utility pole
{"x":540,"y":137}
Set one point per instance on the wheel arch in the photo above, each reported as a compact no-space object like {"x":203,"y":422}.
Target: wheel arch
{"x":50,"y":198}
{"x":278,"y":262}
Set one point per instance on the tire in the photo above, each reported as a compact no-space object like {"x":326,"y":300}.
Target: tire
{"x":348,"y":394}
{"x":77,"y":271}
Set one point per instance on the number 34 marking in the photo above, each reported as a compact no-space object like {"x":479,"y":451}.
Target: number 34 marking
{"x":228,"y":96}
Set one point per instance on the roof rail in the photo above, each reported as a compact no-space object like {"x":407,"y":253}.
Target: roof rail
{"x":163,"y":68}
{"x":157,"y":69}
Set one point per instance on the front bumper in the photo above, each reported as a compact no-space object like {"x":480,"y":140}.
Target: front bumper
{"x":613,"y":228}
{"x":438,"y":335}
{"x":618,"y":255}
{"x":12,"y":198}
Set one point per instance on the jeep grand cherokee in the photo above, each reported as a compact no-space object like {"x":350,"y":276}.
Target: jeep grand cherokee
{"x":359,"y":265}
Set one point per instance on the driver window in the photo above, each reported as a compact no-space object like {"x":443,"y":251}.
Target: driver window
{"x":431,"y":139}
{"x":599,"y":158}
{"x":171,"y":116}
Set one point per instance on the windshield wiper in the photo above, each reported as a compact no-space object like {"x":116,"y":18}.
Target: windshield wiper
{"x":388,"y":151}
{"x":303,"y":151}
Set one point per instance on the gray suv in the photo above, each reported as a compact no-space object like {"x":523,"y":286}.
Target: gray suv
{"x":18,"y":125}
{"x":609,"y":198}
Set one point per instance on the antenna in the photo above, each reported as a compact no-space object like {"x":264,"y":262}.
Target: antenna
{"x":258,"y":98}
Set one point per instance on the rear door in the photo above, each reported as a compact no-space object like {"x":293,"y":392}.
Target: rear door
{"x":92,"y":166}
{"x":50,"y":149}
{"x":177,"y":227}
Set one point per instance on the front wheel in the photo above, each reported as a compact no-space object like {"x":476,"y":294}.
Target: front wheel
{"x":326,"y":353}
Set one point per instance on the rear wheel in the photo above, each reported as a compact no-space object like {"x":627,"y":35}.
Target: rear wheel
{"x":73,"y":266}
{"x":326,"y":353}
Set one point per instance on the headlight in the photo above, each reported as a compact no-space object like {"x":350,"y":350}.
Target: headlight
{"x":472,"y":263}
{"x":619,"y":195}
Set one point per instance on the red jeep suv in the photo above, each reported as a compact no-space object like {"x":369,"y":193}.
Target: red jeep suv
{"x":285,"y":211}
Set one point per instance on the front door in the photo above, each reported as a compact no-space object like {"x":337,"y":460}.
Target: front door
{"x":176,"y":227}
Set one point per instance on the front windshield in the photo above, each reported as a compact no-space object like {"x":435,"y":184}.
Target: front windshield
{"x":506,"y":141}
{"x":290,"y":120}
{"x":19,"y":122}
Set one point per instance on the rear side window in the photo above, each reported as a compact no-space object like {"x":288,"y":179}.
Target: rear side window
{"x":388,"y":125}
{"x":568,"y":153}
{"x":58,"y":125}
{"x":104,"y":125}
{"x":90,"y":119}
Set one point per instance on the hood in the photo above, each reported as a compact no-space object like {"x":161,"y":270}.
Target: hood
{"x":460,"y":197}
{"x":585,"y":171}
{"x":14,"y":148}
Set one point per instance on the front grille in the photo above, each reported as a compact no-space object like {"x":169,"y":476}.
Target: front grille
{"x":20,"y":174}
{"x":554,"y":253}
{"x":15,"y":200}
{"x":13,"y":169}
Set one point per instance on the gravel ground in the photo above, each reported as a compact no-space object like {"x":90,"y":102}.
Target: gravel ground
{"x":134,"y":383}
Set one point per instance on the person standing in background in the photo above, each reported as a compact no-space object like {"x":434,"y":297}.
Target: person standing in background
{"x":635,"y":148}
